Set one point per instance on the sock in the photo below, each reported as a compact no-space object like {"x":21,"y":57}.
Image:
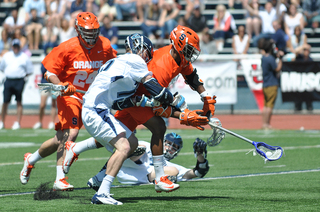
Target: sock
{"x":101,"y":175}
{"x":60,"y":173}
{"x":106,"y":185}
{"x":158,"y":166}
{"x":35,"y":157}
{"x":85,"y":145}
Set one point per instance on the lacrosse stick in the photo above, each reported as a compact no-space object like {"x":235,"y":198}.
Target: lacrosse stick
{"x":217,"y":135}
{"x":268,"y":152}
{"x":55,"y":89}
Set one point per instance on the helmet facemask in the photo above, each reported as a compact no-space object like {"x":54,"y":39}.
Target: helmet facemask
{"x":141,"y":46}
{"x":190,"y":53}
{"x":88,"y":36}
{"x":171,"y":150}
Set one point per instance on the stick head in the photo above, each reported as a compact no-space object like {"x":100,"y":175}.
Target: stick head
{"x":270,"y":153}
{"x":217,"y":134}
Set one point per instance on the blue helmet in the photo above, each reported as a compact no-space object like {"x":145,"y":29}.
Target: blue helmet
{"x":172,"y":145}
{"x":141,"y":45}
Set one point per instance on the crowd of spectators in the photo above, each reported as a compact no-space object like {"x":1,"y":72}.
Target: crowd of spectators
{"x":44,"y":24}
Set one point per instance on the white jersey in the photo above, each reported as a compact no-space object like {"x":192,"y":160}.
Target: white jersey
{"x":117,"y":79}
{"x":137,"y":172}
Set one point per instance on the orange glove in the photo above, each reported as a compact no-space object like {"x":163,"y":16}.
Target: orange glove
{"x":69,"y":90}
{"x":162,"y":111}
{"x":208,"y":105}
{"x":193,"y":118}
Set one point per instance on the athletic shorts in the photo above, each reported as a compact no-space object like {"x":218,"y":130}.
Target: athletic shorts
{"x":270,"y":95}
{"x":134,"y":116}
{"x":69,"y":113}
{"x":102,"y":125}
{"x":13,"y":87}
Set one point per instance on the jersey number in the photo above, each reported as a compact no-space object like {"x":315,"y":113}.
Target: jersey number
{"x":106,"y":66}
{"x":82,"y":78}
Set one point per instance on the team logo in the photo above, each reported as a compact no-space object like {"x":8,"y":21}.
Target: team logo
{"x":256,"y":73}
{"x":87,"y":64}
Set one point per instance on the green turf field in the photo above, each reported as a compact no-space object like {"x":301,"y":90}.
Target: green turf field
{"x":236,"y":181}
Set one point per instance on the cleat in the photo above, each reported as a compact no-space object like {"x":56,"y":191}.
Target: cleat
{"x":165,"y":185}
{"x":70,"y":156}
{"x":26,"y":170}
{"x":104,"y":199}
{"x":15,"y":126}
{"x":62,"y":185}
{"x":51,"y":126}
{"x":38,"y":125}
{"x":94,"y":183}
{"x":1,"y":125}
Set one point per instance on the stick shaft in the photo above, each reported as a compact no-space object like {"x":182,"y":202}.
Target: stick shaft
{"x":232,"y":133}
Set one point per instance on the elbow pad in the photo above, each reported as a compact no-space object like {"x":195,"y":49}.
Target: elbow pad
{"x":122,"y":104}
{"x":193,"y":80}
{"x":159,"y":93}
{"x":201,"y":169}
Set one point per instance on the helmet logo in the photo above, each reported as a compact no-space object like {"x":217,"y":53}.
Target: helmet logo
{"x":182,"y":37}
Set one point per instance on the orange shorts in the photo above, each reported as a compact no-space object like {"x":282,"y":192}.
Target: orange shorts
{"x":69,"y":113}
{"x":134,"y":116}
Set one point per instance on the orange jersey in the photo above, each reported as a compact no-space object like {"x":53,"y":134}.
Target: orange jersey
{"x":73,"y":63}
{"x":165,"y":68}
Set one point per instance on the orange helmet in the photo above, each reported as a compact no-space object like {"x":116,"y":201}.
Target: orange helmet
{"x":88,"y":28}
{"x":186,"y":42}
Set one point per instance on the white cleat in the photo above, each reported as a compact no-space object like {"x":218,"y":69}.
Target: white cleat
{"x":16,"y":126}
{"x":37,"y":125}
{"x":51,"y":126}
{"x":104,"y":199}
{"x":1,"y":125}
{"x":26,"y":170}
{"x":94,"y":183}
{"x":62,"y":185}
{"x":70,"y":156}
{"x":165,"y":185}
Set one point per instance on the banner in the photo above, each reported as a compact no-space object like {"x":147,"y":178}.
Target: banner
{"x":300,"y":81}
{"x":219,"y":78}
{"x":253,"y":74}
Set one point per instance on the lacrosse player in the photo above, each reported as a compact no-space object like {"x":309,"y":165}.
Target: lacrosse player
{"x":166,"y":64}
{"x":139,"y":169}
{"x":74,"y":63}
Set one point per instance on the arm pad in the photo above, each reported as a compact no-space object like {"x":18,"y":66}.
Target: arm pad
{"x":201,"y":169}
{"x":193,"y":80}
{"x":161,"y":94}
{"x":122,"y":104}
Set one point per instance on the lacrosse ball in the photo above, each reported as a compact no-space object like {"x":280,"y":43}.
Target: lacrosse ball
{"x":268,"y":154}
{"x":301,"y":128}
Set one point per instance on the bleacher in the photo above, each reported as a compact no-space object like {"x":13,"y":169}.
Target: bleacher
{"x":128,"y":27}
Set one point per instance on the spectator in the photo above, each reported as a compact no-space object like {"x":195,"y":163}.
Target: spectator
{"x":49,"y":36}
{"x":223,"y":26}
{"x":190,"y":6}
{"x":280,"y":9}
{"x":207,"y":44}
{"x":293,"y":19}
{"x":168,"y":18}
{"x":311,"y":10}
{"x":77,"y":7}
{"x":57,"y":10}
{"x":23,"y":41}
{"x":16,"y":65}
{"x":13,"y":22}
{"x":267,"y":16}
{"x":253,"y":22}
{"x":304,"y":57}
{"x":38,"y":5}
{"x":126,"y":8}
{"x":240,"y":44}
{"x":280,"y":38}
{"x":33,"y":29}
{"x":43,"y":102}
{"x":197,"y":21}
{"x":107,"y":8}
{"x":5,"y":43}
{"x":66,"y":31}
{"x":110,"y":32}
{"x":270,"y":70}
{"x":151,"y":20}
{"x":298,"y":41}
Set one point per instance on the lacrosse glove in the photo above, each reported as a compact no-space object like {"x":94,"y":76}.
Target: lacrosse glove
{"x":191,"y":118}
{"x":163,"y":111}
{"x":208,"y":105}
{"x":200,"y":147}
{"x":69,"y":89}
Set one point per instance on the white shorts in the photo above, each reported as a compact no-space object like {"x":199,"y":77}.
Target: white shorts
{"x":102,"y":125}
